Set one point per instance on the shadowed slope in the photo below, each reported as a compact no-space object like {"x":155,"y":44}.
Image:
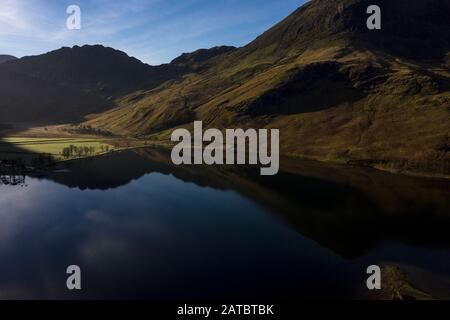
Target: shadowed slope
{"x":29,"y":100}
{"x":68,"y":84}
{"x":5,"y":57}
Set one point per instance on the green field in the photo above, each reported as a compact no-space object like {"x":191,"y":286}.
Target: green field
{"x":57,"y":148}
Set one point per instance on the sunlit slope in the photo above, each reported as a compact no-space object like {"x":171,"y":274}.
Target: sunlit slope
{"x":336,"y":90}
{"x":29,"y":150}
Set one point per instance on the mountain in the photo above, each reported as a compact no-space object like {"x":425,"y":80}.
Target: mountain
{"x":89,"y":68}
{"x":28,"y":100}
{"x":5,"y":57}
{"x":337,"y":90}
{"x":68,"y":84}
{"x":409,"y":28}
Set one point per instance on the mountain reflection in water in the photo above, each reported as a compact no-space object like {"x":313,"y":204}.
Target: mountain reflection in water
{"x":140,"y":227}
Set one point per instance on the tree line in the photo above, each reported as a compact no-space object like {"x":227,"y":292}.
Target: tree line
{"x":82,"y":151}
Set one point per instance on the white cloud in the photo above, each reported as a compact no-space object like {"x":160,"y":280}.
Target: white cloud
{"x":12,"y":17}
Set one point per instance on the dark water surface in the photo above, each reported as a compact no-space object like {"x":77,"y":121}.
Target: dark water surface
{"x":141,"y":228}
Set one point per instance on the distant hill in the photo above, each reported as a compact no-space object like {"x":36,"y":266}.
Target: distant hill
{"x":25,"y":99}
{"x":89,"y":68}
{"x":68,"y":84}
{"x":5,"y":57}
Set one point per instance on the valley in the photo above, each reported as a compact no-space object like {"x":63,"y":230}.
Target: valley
{"x":337,"y":91}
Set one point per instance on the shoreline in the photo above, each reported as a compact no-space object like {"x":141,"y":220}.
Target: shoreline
{"x":123,"y":143}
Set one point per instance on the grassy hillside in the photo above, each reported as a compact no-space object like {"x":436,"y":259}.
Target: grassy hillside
{"x":337,"y":91}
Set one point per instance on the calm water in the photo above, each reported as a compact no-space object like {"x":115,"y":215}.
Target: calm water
{"x":141,"y":228}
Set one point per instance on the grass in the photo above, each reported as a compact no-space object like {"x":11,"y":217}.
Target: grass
{"x":29,"y":148}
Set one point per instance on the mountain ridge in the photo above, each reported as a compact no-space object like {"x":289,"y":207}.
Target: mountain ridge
{"x":92,"y":75}
{"x":324,"y":19}
{"x":338,"y":91}
{"x":6,"y":57}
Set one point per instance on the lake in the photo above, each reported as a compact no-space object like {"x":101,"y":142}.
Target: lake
{"x":141,"y":228}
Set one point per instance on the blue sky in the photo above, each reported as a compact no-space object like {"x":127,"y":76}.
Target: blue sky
{"x":154,"y":31}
